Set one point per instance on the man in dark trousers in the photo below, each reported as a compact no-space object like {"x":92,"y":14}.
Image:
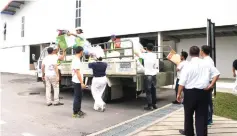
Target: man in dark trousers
{"x":179,"y":69}
{"x":151,"y":69}
{"x":205,"y":54}
{"x":195,"y":78}
{"x":78,"y":84}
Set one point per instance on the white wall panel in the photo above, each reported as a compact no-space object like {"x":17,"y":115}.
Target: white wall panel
{"x":226,"y":52}
{"x":106,"y":17}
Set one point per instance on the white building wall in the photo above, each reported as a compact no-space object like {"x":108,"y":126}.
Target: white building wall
{"x":42,"y":19}
{"x":106,"y":17}
{"x":226,"y":51}
{"x":14,"y":60}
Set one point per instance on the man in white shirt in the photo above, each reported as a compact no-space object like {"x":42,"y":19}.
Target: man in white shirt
{"x":179,"y":68}
{"x":195,"y":78}
{"x":234,"y":70}
{"x":79,"y":33}
{"x":205,"y":52}
{"x":77,"y":79}
{"x":51,"y":77}
{"x":151,"y":69}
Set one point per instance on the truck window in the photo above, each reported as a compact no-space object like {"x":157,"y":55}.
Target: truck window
{"x":44,"y":54}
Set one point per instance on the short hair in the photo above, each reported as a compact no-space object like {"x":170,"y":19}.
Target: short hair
{"x":235,"y":64}
{"x":50,"y":50}
{"x":194,"y":51}
{"x":150,"y":46}
{"x":184,"y":54}
{"x":78,"y":49}
{"x":100,"y":58}
{"x":206,"y":49}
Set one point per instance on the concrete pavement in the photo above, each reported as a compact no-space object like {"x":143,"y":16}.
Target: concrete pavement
{"x":170,"y":126}
{"x":23,"y":114}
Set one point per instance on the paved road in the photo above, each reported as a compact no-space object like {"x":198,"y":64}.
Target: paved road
{"x":27,"y":115}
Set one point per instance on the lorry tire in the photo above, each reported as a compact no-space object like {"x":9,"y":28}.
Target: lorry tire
{"x":107,"y":94}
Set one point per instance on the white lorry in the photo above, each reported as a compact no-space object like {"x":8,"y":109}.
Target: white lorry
{"x":122,"y":71}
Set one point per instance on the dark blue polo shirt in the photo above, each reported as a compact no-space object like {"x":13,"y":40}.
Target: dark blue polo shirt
{"x":98,"y":68}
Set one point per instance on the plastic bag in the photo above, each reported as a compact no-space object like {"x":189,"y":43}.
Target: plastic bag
{"x":140,"y":68}
{"x":62,"y":41}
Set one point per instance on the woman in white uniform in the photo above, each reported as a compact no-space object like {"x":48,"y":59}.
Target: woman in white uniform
{"x":99,"y":83}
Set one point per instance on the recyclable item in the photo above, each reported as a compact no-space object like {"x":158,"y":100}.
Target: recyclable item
{"x":174,"y":57}
{"x":61,"y":41}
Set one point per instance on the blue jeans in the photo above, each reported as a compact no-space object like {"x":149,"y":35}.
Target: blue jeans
{"x":210,"y":106}
{"x":77,"y":98}
{"x":150,"y":88}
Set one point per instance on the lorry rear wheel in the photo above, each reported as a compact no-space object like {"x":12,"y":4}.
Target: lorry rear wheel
{"x":107,"y":94}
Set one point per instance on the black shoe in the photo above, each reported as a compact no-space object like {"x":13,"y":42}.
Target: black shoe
{"x":148,"y":108}
{"x":49,"y":104}
{"x":175,"y":102}
{"x":181,"y":132}
{"x":154,"y":106}
{"x":81,"y":113}
{"x":58,"y":104}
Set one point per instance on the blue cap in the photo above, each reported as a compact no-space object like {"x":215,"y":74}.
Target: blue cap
{"x":113,"y":36}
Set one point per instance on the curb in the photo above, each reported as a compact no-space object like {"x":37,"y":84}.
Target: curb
{"x":154,"y":122}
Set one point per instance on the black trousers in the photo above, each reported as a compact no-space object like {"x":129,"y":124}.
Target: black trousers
{"x":196,"y":100}
{"x":176,"y":88}
{"x":77,"y":98}
{"x":150,"y":88}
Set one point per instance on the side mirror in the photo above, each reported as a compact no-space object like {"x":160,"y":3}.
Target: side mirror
{"x":33,"y":57}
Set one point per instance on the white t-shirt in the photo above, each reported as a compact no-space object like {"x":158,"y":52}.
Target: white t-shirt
{"x":76,"y":65}
{"x":180,"y":67}
{"x":50,"y":62}
{"x":150,"y":63}
{"x":209,"y":61}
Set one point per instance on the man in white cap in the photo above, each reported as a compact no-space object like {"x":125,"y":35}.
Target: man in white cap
{"x":99,"y":82}
{"x":79,"y":33}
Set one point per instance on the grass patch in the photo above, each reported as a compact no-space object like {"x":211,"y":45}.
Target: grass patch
{"x":225,"y":105}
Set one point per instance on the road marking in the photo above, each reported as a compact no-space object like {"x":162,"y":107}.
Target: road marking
{"x":2,"y":122}
{"x":27,"y":134}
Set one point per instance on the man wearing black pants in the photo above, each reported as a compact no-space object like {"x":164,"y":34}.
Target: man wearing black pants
{"x":179,"y":68}
{"x":195,"y":79}
{"x":151,"y":69}
{"x":205,"y":52}
{"x":77,"y":79}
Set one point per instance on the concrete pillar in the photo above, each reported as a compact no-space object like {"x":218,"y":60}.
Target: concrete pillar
{"x":160,"y":43}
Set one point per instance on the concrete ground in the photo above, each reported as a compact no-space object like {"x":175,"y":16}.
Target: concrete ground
{"x":170,"y":126}
{"x":27,"y":115}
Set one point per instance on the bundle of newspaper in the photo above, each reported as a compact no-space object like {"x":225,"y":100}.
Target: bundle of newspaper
{"x":174,"y":57}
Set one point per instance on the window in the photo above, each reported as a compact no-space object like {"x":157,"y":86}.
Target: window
{"x":78,"y":13}
{"x":23,"y":26}
{"x":5,"y":32}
